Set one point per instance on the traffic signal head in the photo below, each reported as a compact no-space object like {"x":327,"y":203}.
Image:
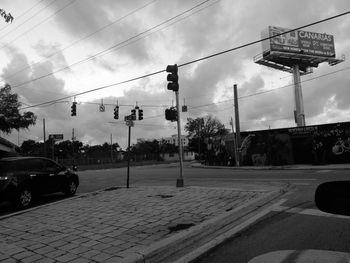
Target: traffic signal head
{"x":140,"y":114}
{"x":133,"y":114}
{"x":74,"y":109}
{"x":116,"y":112}
{"x":171,"y":114}
{"x":172,"y":77}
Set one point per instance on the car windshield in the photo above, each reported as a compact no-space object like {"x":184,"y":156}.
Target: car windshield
{"x":4,"y":166}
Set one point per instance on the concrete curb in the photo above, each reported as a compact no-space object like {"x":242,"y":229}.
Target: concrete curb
{"x":178,"y":245}
{"x":283,"y":167}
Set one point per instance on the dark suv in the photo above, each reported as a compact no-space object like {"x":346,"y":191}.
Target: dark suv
{"x":23,"y":177}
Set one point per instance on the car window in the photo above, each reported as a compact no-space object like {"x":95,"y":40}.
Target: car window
{"x":50,"y":166}
{"x":29,"y":165}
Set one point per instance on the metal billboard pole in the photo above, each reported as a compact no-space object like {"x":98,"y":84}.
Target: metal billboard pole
{"x":299,"y":105}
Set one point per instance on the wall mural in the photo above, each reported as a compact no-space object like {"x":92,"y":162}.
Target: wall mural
{"x":318,"y":144}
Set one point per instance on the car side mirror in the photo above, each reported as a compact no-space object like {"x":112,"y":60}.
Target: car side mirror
{"x":334,"y":197}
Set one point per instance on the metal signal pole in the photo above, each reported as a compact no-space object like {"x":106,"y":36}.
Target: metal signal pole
{"x":128,"y":171}
{"x":180,"y":180}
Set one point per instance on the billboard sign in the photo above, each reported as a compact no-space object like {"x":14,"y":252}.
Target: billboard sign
{"x":56,"y":137}
{"x":299,"y":42}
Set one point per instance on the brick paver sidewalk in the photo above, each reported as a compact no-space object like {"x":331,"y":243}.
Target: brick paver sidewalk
{"x":107,"y":226}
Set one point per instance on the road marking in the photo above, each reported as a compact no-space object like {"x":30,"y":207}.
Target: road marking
{"x":273,"y":179}
{"x":189,"y":257}
{"x":306,"y":211}
{"x":301,"y":184}
{"x":324,"y":171}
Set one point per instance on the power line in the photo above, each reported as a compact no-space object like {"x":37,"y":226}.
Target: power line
{"x":191,"y":62}
{"x":84,"y":38}
{"x":122,"y":44}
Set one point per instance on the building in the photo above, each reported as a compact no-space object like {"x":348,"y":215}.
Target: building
{"x":7,"y":148}
{"x":174,"y":140}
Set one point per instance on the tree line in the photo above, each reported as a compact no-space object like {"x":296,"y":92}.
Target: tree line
{"x":11,"y":118}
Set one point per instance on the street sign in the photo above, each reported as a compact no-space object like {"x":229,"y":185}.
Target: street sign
{"x":102,"y":108}
{"x":56,"y":137}
{"x":129,"y":123}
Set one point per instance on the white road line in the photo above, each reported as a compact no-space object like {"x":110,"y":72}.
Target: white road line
{"x":273,"y":179}
{"x":301,"y":184}
{"x":306,"y":211}
{"x":324,"y":171}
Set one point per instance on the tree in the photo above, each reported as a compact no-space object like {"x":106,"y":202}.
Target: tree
{"x":32,"y":148}
{"x":146,"y":150}
{"x":10,"y":117}
{"x":203,"y":127}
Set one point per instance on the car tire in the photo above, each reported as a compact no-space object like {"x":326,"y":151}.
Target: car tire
{"x":24,"y":197}
{"x":71,"y":188}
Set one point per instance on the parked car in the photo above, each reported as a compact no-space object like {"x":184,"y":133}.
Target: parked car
{"x":21,"y":178}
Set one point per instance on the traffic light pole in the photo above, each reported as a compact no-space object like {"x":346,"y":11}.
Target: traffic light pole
{"x":128,"y":171}
{"x":180,"y":180}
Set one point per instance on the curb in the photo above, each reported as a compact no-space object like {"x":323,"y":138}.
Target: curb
{"x":187,"y":241}
{"x":283,"y":167}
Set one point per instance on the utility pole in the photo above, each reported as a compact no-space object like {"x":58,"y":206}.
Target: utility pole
{"x":73,"y":139}
{"x":234,"y":142}
{"x":238,"y":133}
{"x":44,"y":131}
{"x":111,"y":148}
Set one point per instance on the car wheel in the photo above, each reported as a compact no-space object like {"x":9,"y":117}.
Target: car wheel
{"x":24,"y":197}
{"x":71,"y":188}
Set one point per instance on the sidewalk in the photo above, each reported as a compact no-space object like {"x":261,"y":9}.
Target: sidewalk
{"x":345,"y":166}
{"x":141,"y":224}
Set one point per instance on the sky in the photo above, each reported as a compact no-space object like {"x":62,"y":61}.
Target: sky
{"x":54,"y":50}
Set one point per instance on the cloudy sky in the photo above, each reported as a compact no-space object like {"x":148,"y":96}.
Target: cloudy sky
{"x":59,"y":48}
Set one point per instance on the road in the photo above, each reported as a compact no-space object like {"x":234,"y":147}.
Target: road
{"x":296,"y":224}
{"x":290,"y":226}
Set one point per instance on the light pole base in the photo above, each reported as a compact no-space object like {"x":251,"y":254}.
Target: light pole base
{"x":180,"y":182}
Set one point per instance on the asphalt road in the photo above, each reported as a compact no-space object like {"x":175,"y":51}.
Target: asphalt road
{"x":295,"y":225}
{"x":286,"y":228}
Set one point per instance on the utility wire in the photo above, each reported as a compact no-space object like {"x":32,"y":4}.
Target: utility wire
{"x":83,"y":38}
{"x":193,"y":61}
{"x":124,"y":42}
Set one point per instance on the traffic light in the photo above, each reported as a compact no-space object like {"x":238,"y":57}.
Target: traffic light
{"x":133,"y":114}
{"x":140,"y":114}
{"x":171,"y":114}
{"x":116,"y":112}
{"x":172,"y":77}
{"x":74,"y":109}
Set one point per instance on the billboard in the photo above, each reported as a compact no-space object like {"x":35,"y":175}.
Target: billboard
{"x":299,"y":42}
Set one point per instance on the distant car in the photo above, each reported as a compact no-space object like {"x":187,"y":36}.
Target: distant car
{"x":21,"y":178}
